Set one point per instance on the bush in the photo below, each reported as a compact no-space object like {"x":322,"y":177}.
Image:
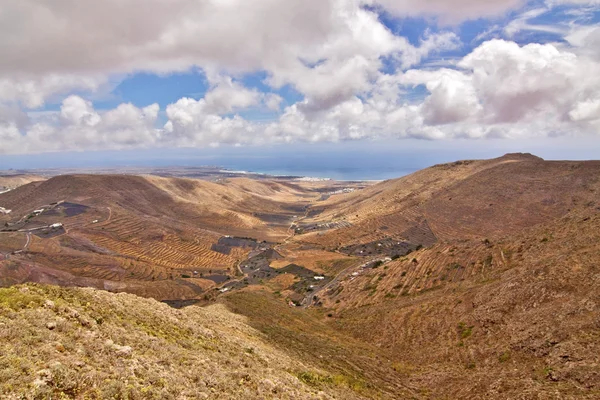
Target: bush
{"x":464,"y":331}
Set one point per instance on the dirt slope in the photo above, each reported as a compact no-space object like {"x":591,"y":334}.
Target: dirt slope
{"x":461,"y":200}
{"x":14,"y":181}
{"x":147,"y":235}
{"x":513,"y":317}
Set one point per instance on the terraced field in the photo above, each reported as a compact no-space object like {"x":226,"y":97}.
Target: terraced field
{"x":469,"y":277}
{"x":145,"y":234}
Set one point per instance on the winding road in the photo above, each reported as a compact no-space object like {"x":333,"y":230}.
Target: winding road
{"x":28,"y":237}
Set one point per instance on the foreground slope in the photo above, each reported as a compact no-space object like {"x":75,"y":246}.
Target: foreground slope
{"x":83,"y":343}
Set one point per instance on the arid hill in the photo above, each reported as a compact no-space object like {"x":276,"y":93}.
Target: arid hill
{"x":84,"y":343}
{"x":505,"y":303}
{"x":461,"y":200}
{"x":475,"y":279}
{"x":16,"y":180}
{"x":153,"y":236}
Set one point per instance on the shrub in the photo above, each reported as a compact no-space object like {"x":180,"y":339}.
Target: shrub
{"x":464,"y":331}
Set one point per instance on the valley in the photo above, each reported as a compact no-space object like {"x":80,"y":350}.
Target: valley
{"x":473,"y":279}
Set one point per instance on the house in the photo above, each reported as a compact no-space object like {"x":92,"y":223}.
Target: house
{"x":319,"y":278}
{"x":56,"y":225}
{"x":38,"y":212}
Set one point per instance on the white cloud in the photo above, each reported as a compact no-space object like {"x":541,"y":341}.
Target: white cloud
{"x":513,"y":82}
{"x":79,"y":126}
{"x":328,"y":50}
{"x":33,"y":91}
{"x":585,"y":39}
{"x":452,"y":95}
{"x":450,"y":11}
{"x":55,"y":48}
{"x":587,"y":110}
{"x":331,"y":51}
{"x":228,"y":96}
{"x":501,"y":90}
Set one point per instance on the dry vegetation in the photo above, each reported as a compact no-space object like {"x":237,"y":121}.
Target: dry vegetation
{"x":145,"y":234}
{"x":495,"y":295}
{"x":83,"y":343}
{"x":14,"y":181}
{"x":516,"y":317}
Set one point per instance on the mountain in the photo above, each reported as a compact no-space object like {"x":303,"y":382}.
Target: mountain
{"x":461,"y":200}
{"x":473,"y":279}
{"x":141,"y":234}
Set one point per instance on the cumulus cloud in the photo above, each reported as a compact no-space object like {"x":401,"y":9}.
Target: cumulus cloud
{"x":355,"y":76}
{"x":513,"y":81}
{"x":501,"y":89}
{"x":450,"y":11}
{"x":32,"y":91}
{"x":46,"y":49}
{"x":79,"y":126}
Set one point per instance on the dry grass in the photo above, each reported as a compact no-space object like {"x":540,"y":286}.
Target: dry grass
{"x":306,"y":336}
{"x":14,"y":181}
{"x":514,"y":317}
{"x":150,"y":231}
{"x":83,"y":343}
{"x":12,"y":241}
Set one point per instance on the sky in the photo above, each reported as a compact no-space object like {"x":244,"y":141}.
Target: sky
{"x":189,"y":81}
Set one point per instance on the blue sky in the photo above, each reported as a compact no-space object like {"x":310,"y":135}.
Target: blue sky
{"x":187,"y":78}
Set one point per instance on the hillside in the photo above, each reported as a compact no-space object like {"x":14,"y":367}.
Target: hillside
{"x":152,"y":236}
{"x":83,"y":343}
{"x":516,"y":316}
{"x":16,"y":180}
{"x":462,"y":200}
{"x":474,"y":279}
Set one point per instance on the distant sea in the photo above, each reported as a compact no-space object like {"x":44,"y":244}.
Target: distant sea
{"x":344,"y":160}
{"x":342,"y":173}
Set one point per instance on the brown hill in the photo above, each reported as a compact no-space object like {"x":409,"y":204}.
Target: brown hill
{"x":504,"y":304}
{"x":474,"y":279}
{"x":16,"y":180}
{"x":465,"y":199}
{"x":147,"y":235}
